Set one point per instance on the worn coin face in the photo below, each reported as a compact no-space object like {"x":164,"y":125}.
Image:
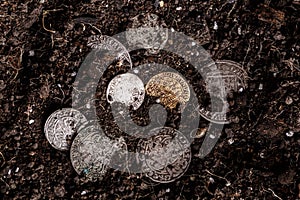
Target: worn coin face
{"x":170,"y":87}
{"x":167,"y":154}
{"x":112,"y":45}
{"x":127,"y":89}
{"x":91,"y":152}
{"x":234,"y":78}
{"x":61,"y":126}
{"x":146,"y":32}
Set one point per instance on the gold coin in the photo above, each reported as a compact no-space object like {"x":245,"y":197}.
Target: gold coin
{"x":170,"y":87}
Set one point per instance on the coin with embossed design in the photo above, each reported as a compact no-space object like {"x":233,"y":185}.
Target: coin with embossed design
{"x":91,"y":152}
{"x":127,"y":89}
{"x":166,"y":154}
{"x":61,"y":126}
{"x":233,"y":77}
{"x":171,"y":89}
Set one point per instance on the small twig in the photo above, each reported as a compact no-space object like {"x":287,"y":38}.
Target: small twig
{"x":4,"y":161}
{"x":273,"y":193}
{"x":45,"y":13}
{"x":5,"y":182}
{"x":228,"y":182}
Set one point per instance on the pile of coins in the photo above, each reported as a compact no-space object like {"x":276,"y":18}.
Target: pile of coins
{"x":165,"y":154}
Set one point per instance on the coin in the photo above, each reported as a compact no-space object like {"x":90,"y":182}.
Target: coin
{"x":232,"y":73}
{"x":61,"y":126}
{"x":91,"y":152}
{"x":147,"y":32}
{"x":110,"y":44}
{"x":234,"y":78}
{"x":127,"y":89}
{"x":167,"y":154}
{"x":170,"y":87}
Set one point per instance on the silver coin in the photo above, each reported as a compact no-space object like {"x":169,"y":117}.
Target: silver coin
{"x":149,"y":27}
{"x":127,"y":89}
{"x":110,"y":44}
{"x":167,"y":154}
{"x":91,"y":152}
{"x":61,"y":126}
{"x":234,"y":78}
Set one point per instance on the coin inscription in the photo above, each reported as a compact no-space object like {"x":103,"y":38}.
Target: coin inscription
{"x":167,"y":154}
{"x":91,"y":152}
{"x":110,"y":44}
{"x":61,"y":126}
{"x":170,"y":87}
{"x":127,"y":89}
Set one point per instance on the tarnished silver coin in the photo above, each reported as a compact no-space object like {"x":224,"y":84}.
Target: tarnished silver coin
{"x":127,"y":89}
{"x":170,"y":87}
{"x":149,"y":27}
{"x":234,"y":78}
{"x":91,"y":152}
{"x":61,"y":126}
{"x":110,"y":44}
{"x":167,"y":154}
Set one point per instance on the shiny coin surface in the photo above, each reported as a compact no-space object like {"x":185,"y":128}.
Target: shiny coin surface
{"x":127,"y":89}
{"x":170,"y":87}
{"x":167,"y":154}
{"x":147,"y":32}
{"x":110,"y":44}
{"x":234,"y":78}
{"x":91,"y":152}
{"x":61,"y":126}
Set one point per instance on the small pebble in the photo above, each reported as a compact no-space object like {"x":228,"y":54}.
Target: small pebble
{"x":161,"y":4}
{"x":260,"y":87}
{"x":31,"y":53}
{"x":212,"y":136}
{"x":136,"y":71}
{"x":17,"y":169}
{"x":290,"y":133}
{"x":289,"y":100}
{"x":9,"y":172}
{"x":211,"y":180}
{"x":215,"y":26}
{"x":179,"y":8}
{"x":83,"y":192}
{"x":230,"y":141}
{"x":193,"y":43}
{"x":239,"y":30}
{"x":31,"y":121}
{"x":168,"y":190}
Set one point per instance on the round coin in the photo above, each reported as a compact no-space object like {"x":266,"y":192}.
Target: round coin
{"x":170,"y":87}
{"x":234,"y":78}
{"x":91,"y":152}
{"x":127,"y":89}
{"x":167,"y":154}
{"x":61,"y":126}
{"x":154,"y":37}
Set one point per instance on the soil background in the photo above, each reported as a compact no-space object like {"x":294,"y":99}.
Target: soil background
{"x":43,"y":43}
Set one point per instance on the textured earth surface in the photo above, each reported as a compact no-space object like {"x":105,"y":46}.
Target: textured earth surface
{"x":43,"y":43}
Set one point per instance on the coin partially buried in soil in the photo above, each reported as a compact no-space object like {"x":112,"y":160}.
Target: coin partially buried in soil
{"x":234,"y":78}
{"x":61,"y":126}
{"x":127,"y":89}
{"x":170,"y":87}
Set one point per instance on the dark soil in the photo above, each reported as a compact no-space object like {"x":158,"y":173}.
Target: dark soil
{"x":43,"y":44}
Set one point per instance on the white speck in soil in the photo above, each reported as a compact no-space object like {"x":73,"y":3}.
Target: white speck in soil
{"x":31,"y":121}
{"x":31,"y":53}
{"x":179,"y":8}
{"x":260,"y":87}
{"x":230,"y":141}
{"x":83,"y":192}
{"x":215,"y":26}
{"x":290,"y":133}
